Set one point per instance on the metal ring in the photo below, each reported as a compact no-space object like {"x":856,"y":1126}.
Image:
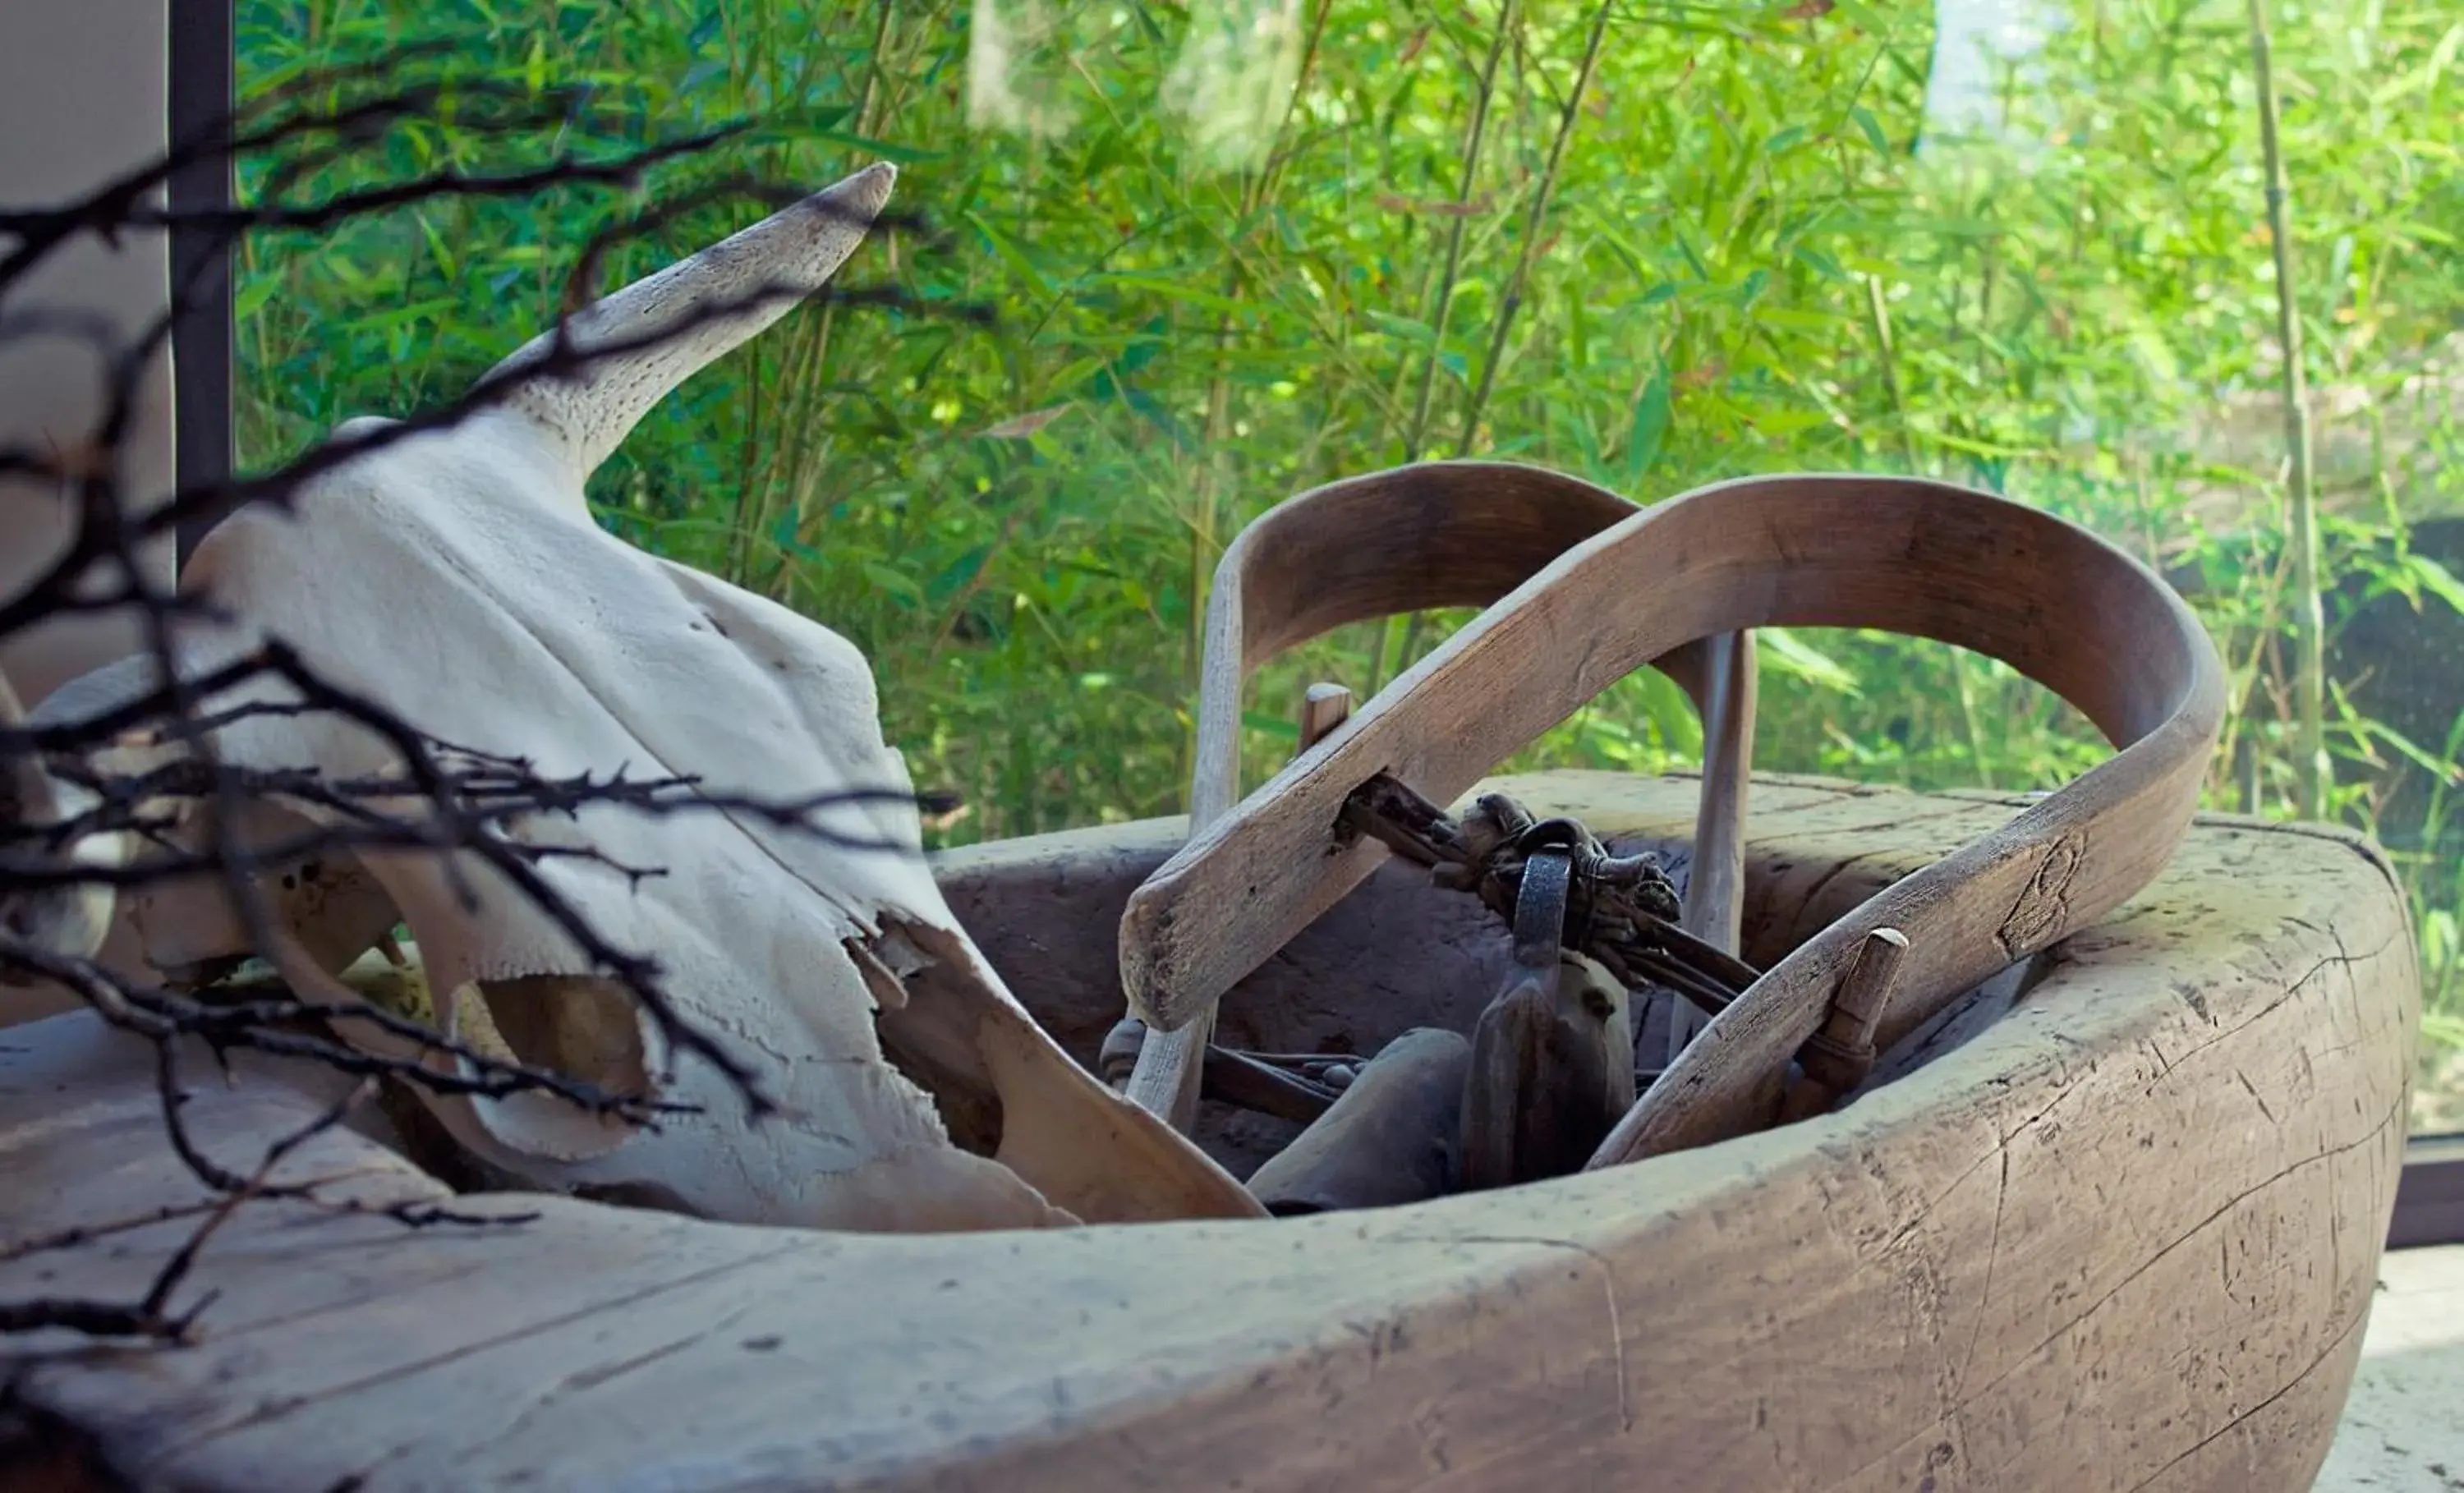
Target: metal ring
{"x":1540,"y":908}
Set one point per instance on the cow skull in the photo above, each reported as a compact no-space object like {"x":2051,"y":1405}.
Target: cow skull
{"x":456,"y":577}
{"x":69,"y":919}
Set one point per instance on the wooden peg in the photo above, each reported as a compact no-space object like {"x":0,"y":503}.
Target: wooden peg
{"x":1323,"y":708}
{"x":1837,"y":1059}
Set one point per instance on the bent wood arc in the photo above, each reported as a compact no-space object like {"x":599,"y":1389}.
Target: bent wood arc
{"x":1432,"y":535}
{"x":1910,"y":1286}
{"x":2045,"y":596}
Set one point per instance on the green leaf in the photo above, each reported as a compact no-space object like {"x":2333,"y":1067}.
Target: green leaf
{"x":397,"y":315}
{"x":887,"y":149}
{"x":1409,"y":328}
{"x":956,"y":576}
{"x":1650,"y":425}
{"x":253,"y":295}
{"x":1693,"y":261}
{"x":1975,"y":447}
{"x":1666,"y":707}
{"x":1010,"y":253}
{"x":2442,"y":57}
{"x":447,"y":262}
{"x":1794,"y":657}
{"x":1820,"y":263}
{"x":1274,"y":726}
{"x":2404,"y":748}
{"x":897,"y":582}
{"x":2442,"y":1028}
{"x":2437,"y":579}
{"x":1181,"y":291}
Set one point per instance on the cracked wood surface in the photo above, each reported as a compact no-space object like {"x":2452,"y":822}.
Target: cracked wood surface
{"x":2122,"y":1238}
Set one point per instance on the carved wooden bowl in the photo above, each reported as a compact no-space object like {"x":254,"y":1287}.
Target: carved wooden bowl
{"x":2111,"y":1223}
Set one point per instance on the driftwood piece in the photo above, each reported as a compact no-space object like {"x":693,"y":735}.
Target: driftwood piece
{"x":2124,"y":1238}
{"x":2043,"y":595}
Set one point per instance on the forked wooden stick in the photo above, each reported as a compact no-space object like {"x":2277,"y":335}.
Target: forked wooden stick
{"x":1715,"y":887}
{"x":2049,"y":599}
{"x":1442,"y":534}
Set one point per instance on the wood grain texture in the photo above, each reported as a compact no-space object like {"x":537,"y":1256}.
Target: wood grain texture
{"x":2046,"y":597}
{"x":2121,"y":1238}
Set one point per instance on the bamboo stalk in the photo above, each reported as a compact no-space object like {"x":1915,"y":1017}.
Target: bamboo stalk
{"x":1512,"y":301}
{"x":800,"y":369}
{"x":2312,"y":772}
{"x":1963,"y":693}
{"x":1257,"y":186}
{"x":1878,"y":317}
{"x":1392,"y":636}
{"x":1457,"y":225}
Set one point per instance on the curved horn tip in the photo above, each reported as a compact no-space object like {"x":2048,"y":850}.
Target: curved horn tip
{"x":867,"y":192}
{"x":587,"y":413}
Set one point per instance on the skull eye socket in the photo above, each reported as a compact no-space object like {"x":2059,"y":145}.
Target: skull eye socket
{"x":582,"y":1026}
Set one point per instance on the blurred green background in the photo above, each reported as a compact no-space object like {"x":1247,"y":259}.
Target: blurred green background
{"x":1247,"y":246}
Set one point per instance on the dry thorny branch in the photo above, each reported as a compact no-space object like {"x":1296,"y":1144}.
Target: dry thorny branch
{"x":446,"y":799}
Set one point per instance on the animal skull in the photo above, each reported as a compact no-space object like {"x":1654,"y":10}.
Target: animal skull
{"x":456,"y":577}
{"x":72,"y":919}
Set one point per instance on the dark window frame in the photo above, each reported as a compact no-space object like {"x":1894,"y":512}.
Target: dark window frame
{"x":2430,"y":1195}
{"x":2429,"y":1199}
{"x":202,"y":82}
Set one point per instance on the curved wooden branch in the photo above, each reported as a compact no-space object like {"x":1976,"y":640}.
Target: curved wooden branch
{"x":1904,"y":555}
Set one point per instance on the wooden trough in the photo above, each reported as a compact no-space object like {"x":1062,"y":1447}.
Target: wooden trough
{"x":2113,"y":1225}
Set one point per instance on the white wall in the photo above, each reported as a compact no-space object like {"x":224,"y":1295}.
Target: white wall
{"x":84,"y":95}
{"x":84,"y":87}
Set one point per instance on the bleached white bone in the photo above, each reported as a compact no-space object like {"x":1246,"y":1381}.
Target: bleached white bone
{"x":185,"y":927}
{"x":71,"y":920}
{"x":456,"y":577}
